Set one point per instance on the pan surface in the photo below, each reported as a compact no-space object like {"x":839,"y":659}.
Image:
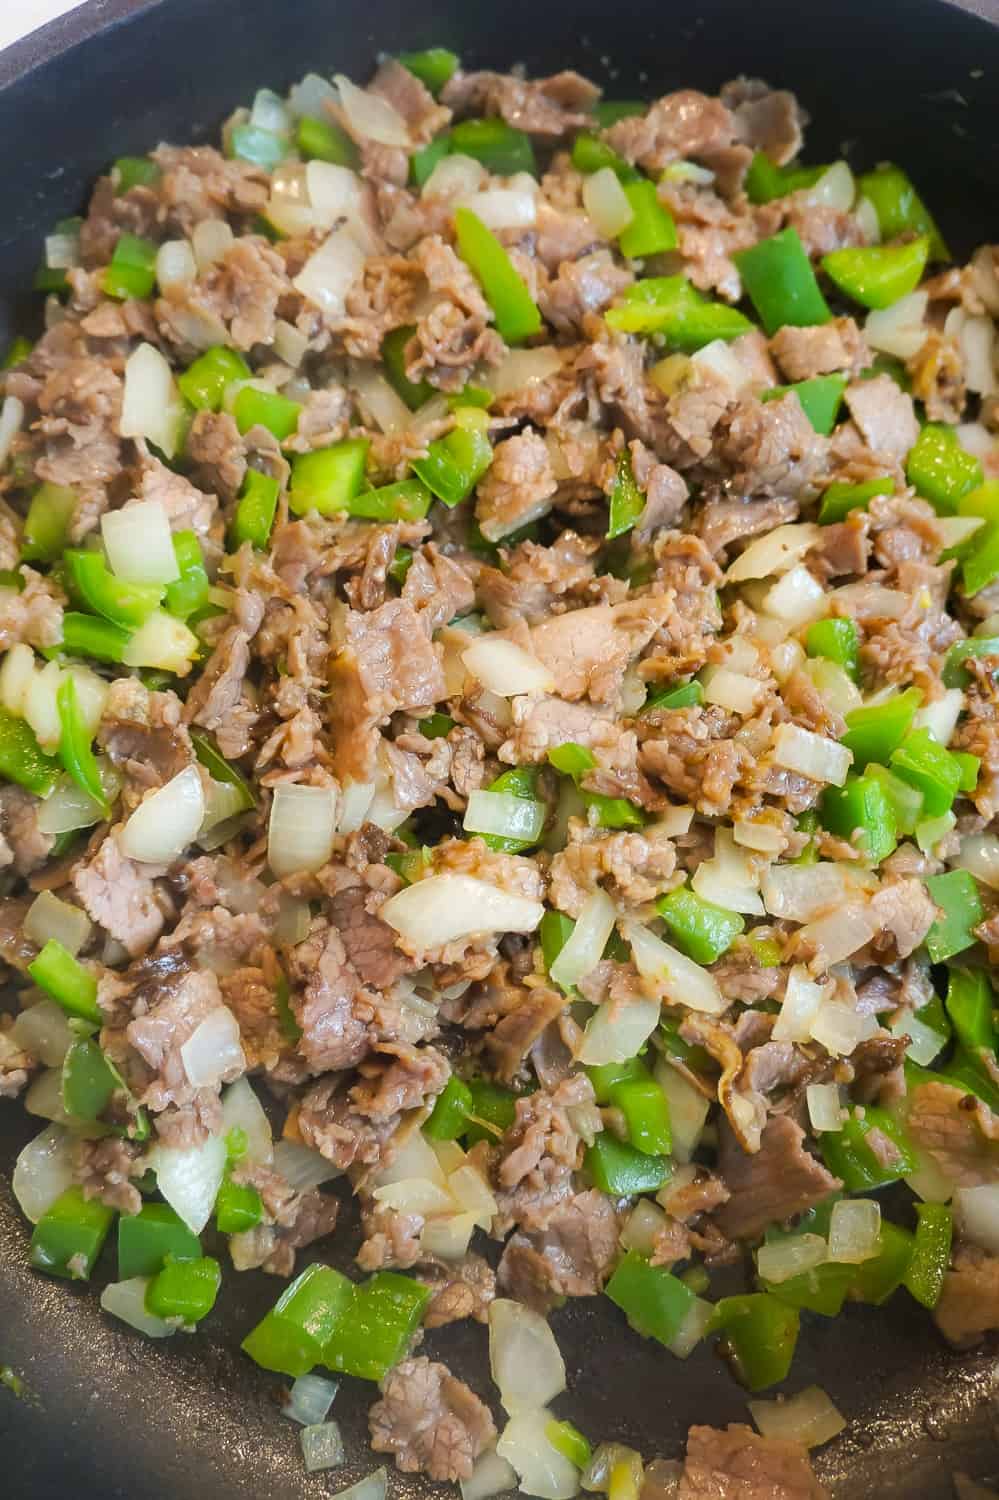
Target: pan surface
{"x":105,"y":1413}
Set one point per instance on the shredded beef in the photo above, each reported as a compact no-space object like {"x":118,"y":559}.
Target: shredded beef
{"x":430,"y":1421}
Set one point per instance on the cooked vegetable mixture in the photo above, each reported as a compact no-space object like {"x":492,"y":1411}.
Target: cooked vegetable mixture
{"x":500,"y":629}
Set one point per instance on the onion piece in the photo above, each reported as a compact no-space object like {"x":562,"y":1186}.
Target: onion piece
{"x":415,"y":1157}
{"x":175,"y":264}
{"x":839,"y":1027}
{"x":979,"y":855}
{"x":444,"y":908}
{"x":729,"y":878}
{"x":448,"y":1236}
{"x":809,"y":1418}
{"x":775,"y":552}
{"x":370,"y":116}
{"x":311,"y":96}
{"x":301,"y":1167}
{"x":606,"y":202}
{"x":472,"y":1192}
{"x":866,"y":216}
{"x":841,"y":933}
{"x":523,"y":368}
{"x":503,"y":208}
{"x":335,"y":193}
{"x":44,"y":1099}
{"x":694,"y":1324}
{"x":43,"y":1171}
{"x":210,"y":239}
{"x":506,"y":668}
{"x":505,"y":814}
{"x":837,"y":690}
{"x":790,"y":1256}
{"x":732,"y":690}
{"x":151,"y":406}
{"x":455,"y":176}
{"x":761,"y":837}
{"x":322,"y":1447}
{"x":586,"y":943}
{"x":825,"y":1112}
{"x":355,"y":799}
{"x":492,"y":1475}
{"x":126,"y":1301}
{"x":300,"y":830}
{"x":644,"y":1224}
{"x":800,"y":1006}
{"x":372,"y":1487}
{"x":11,"y":421}
{"x":800,"y":892}
{"x":524,"y":1359}
{"x":796,"y":599}
{"x":811,"y":755}
{"x":688,"y":1110}
{"x":165,"y":822}
{"x":48,"y":917}
{"x":899,"y":329}
{"x":673,"y":822}
{"x":940,"y":717}
{"x":924,"y":1043}
{"x":139,"y":543}
{"x":834,"y":189}
{"x":977,"y":1212}
{"x":242,"y":1110}
{"x":854,"y":1230}
{"x":542,"y":1470}
{"x":16,"y":674}
{"x":310,"y":1399}
{"x":681,"y":981}
{"x":189,"y":1178}
{"x":616,"y":1031}
{"x":416,"y":1195}
{"x":44,"y":1031}
{"x":213,"y":1049}
{"x":330,"y":272}
{"x":380,"y":405}
{"x":41,"y":708}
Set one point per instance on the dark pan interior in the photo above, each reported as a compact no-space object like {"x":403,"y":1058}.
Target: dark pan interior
{"x":108,"y":1414}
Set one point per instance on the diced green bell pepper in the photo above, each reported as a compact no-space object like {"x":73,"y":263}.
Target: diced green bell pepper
{"x":75,"y":750}
{"x":87,"y":635}
{"x":781,"y":284}
{"x":321,"y":140}
{"x":970,"y":1005}
{"x":554,"y":931}
{"x":190,"y":591}
{"x":203,"y":384}
{"x":671,"y":306}
{"x":838,"y":641}
{"x":700,"y":929}
{"x":377,"y":1327}
{"x":839,"y":499}
{"x":88,"y":1080}
{"x":406,"y":500}
{"x":606,"y":1076}
{"x":899,"y":208}
{"x":862,"y":805}
{"x":450,"y":1113}
{"x":821,"y":1290}
{"x":492,"y":1111}
{"x":437,"y":726}
{"x":927,"y":1267}
{"x":688,"y":695}
{"x":759,"y":1334}
{"x":255,"y":510}
{"x":269,"y":409}
{"x":627,"y":501}
{"x":238,"y":1207}
{"x":291,"y":1338}
{"x":876,"y":1279}
{"x":956,"y":894}
{"x":654,"y":1301}
{"x":514,"y":309}
{"x":940,"y":470}
{"x":765,"y":181}
{"x":590,"y":154}
{"x":22,"y":759}
{"x":125,"y":604}
{"x":821,"y":398}
{"x":646,"y":1115}
{"x":146,"y":1239}
{"x":878,"y":275}
{"x":621,"y":1170}
{"x":414,"y":393}
{"x":70,"y":1235}
{"x":67,"y":981}
{"x":455,"y":463}
{"x":874,"y":731}
{"x":19,"y":350}
{"x":184,"y":1289}
{"x":500,"y":148}
{"x":328,"y":479}
{"x":46,"y":526}
{"x":652,"y":230}
{"x":955,"y":674}
{"x":929,"y":767}
{"x":433,"y":66}
{"x":132,"y":272}
{"x":848,"y":1155}
{"x":570,"y":1442}
{"x":423,"y":162}
{"x":219,"y":769}
{"x":134,"y":171}
{"x":607,"y":112}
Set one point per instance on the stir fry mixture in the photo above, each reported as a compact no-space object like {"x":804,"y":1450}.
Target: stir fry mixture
{"x":500,"y":626}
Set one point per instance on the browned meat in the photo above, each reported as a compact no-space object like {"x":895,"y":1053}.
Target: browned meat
{"x":399,"y":1076}
{"x":391,"y":1239}
{"x":333,"y":1033}
{"x":958,"y":1131}
{"x":299,"y":1220}
{"x":773,"y":449}
{"x":431,"y":1421}
{"x":437,"y":588}
{"x":583,"y":286}
{"x":634,"y":867}
{"x":329,"y":1124}
{"x":369,"y":943}
{"x":539,"y":1154}
{"x":517,"y":488}
{"x":885,"y":416}
{"x":16,"y":1065}
{"x":120,"y":895}
{"x":723,"y":522}
{"x":665,"y":491}
{"x":733,"y":1463}
{"x":545,"y":106}
{"x":588,"y":650}
{"x":766,"y":119}
{"x":104,"y":1169}
{"x":27,"y":845}
{"x":233,"y":301}
{"x":805,"y":352}
{"x":217,"y":691}
{"x":905,"y":914}
{"x":571,"y":1257}
{"x":779,"y":1180}
{"x":969,"y":1302}
{"x":681,"y":125}
{"x":515,"y":1034}
{"x":216,"y":450}
{"x":34,"y":615}
{"x":461,"y":1289}
{"x":452,"y":336}
{"x":164,"y":1020}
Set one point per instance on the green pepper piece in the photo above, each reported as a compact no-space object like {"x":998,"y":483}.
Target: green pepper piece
{"x":254,"y":144}
{"x":219,"y":769}
{"x":400,"y":565}
{"x":878,"y":275}
{"x":378,"y":1327}
{"x":86,"y":635}
{"x":838,"y":641}
{"x":614,"y":812}
{"x":46,"y":526}
{"x":570,"y":1442}
{"x":766,"y":951}
{"x":406,"y":500}
{"x":671,"y":306}
{"x":254,"y":518}
{"x":607,"y":1076}
{"x":268,"y":409}
{"x":899,"y":208}
{"x":759,"y":1337}
{"x":652,"y":229}
{"x":450,"y":1113}
{"x":67,"y":981}
{"x":820,"y":397}
{"x":590,"y":154}
{"x":423,"y":162}
{"x":607,"y":112}
{"x":515,"y":311}
{"x":862,"y":806}
{"x":292,"y":1336}
{"x":970,"y":1003}
{"x":132,"y":272}
{"x":238,"y":1207}
{"x":184,"y":1289}
{"x":433,"y":66}
{"x":940,"y":470}
{"x":492,"y":1112}
{"x":956,"y":893}
{"x":627,"y":501}
{"x":190,"y":591}
{"x":571,"y":759}
{"x":821,"y":1290}
{"x":75,"y":750}
{"x":414,"y":393}
{"x":287,"y":1024}
{"x":924,"y":1275}
{"x":321,"y":140}
{"x":328,"y":479}
{"x":554,"y":931}
{"x":18,"y":352}
{"x":980,"y":564}
{"x":700,"y":929}
{"x":765,"y":181}
{"x":145,"y":1240}
{"x":874,"y":1280}
{"x":500,"y":148}
{"x":929,"y":767}
{"x":970,"y":767}
{"x":70,"y":1235}
{"x":50,"y":279}
{"x":781,"y":284}
{"x":654,"y":1301}
{"x":874,"y":731}
{"x":454,"y":464}
{"x":22,"y":759}
{"x":839,"y":499}
{"x":134,"y":171}
{"x":620,"y":1170}
{"x":203,"y":384}
{"x":847,"y":1154}
{"x":437,"y":726}
{"x":88,"y":1082}
{"x":955,"y":674}
{"x":688,"y":695}
{"x":646,"y":1115}
{"x":126,"y":604}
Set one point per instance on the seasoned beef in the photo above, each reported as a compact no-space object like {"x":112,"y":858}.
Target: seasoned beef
{"x":779,"y":1180}
{"x":733,"y":1463}
{"x":430,"y":1421}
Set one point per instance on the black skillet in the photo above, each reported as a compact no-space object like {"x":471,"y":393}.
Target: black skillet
{"x":107,"y":1414}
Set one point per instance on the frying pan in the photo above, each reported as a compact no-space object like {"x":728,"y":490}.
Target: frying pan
{"x":106,"y":1413}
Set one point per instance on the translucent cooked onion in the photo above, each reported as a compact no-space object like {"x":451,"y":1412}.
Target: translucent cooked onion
{"x":455,"y":176}
{"x":840,"y":933}
{"x":415,"y":1195}
{"x":524,"y":1359}
{"x":616,"y":1031}
{"x":811,"y":755}
{"x":334,"y":193}
{"x":645,"y":1222}
{"x":800,"y":892}
{"x":330,"y":272}
{"x":790,"y":1256}
{"x":800,"y":1006}
{"x":44,"y":1098}
{"x":414,"y":1157}
{"x":940,"y":717}
{"x":381,"y":406}
{"x":91,"y":696}
{"x":189,"y":1178}
{"x":126,"y":1301}
{"x":505,"y":814}
{"x":448,"y":1236}
{"x":761,"y":837}
{"x":979,"y":855}
{"x":824,"y":1109}
{"x":322,"y":1447}
{"x":311,"y":96}
{"x":444,"y":908}
{"x":372,"y":1487}
{"x":43,"y":1171}
{"x":796,"y":599}
{"x":854,"y":1230}
{"x":808,"y":1418}
{"x":607,"y":203}
{"x":355,"y":799}
{"x":503,"y":208}
{"x":151,"y":407}
{"x":681,"y":981}
{"x":41,"y":708}
{"x":839,"y":1027}
{"x":899,"y":329}
{"x":506,"y":668}
{"x":977,"y":339}
{"x":472,"y":1192}
{"x":11,"y":420}
{"x":44,"y":1031}
{"x":210,"y":239}
{"x":300,"y":830}
{"x":688,"y":1110}
{"x":866,"y":216}
{"x":310,"y":1399}
{"x":775,"y":552}
{"x":732,"y":690}
{"x":730,"y":878}
{"x":175,"y":264}
{"x":242,"y":1110}
{"x":693,"y":1326}
{"x":977,"y":1212}
{"x":370,"y":116}
{"x":16,"y":673}
{"x":62,"y":251}
{"x":836,"y":689}
{"x":541,"y":1469}
{"x":587,"y":941}
{"x":162,"y":642}
{"x":924,"y":1043}
{"x":48,"y":917}
{"x":719,"y":362}
{"x":301,"y":1167}
{"x":213,"y":1049}
{"x":139,"y":543}
{"x":523,"y":368}
{"x":834,"y":189}
{"x":673,"y":821}
{"x":492,"y":1475}
{"x":165,"y":822}
{"x":270,"y":113}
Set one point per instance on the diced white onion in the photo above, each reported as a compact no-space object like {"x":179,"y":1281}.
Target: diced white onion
{"x":139,"y":543}
{"x":213,"y":1049}
{"x":270,"y":113}
{"x":290,"y":344}
{"x":165,"y":822}
{"x":448,"y":1236}
{"x":311,"y":96}
{"x":44,"y":1098}
{"x":732,"y":690}
{"x":645,"y":1222}
{"x":415,"y":1195}
{"x":979,"y":855}
{"x":455,"y":176}
{"x":840,"y":933}
{"x":11,"y":419}
{"x":800,"y":1006}
{"x":796,"y":599}
{"x":330,"y":272}
{"x":837,"y":690}
{"x":809,"y":1417}
{"x":985,"y":276}
{"x":607,"y":203}
{"x":335,"y":193}
{"x":866,"y":216}
{"x":838,"y":1027}
{"x":162,"y":642}
{"x":210,"y":239}
{"x":310,"y":1399}
{"x":301,"y":1167}
{"x":974,"y":437}
{"x":151,"y":406}
{"x":681,"y":980}
{"x":688,"y":1110}
{"x":43,"y":1171}
{"x":977,"y":339}
{"x":41,"y":708}
{"x":355,"y":799}
{"x":811,"y":755}
{"x":786,"y":655}
{"x":800,"y":892}
{"x":524,"y":1359}
{"x":953,"y":530}
{"x":372,"y":1487}
{"x":503,"y":208}
{"x":505,"y":814}
{"x":44,"y":1031}
{"x":616,"y":1031}
{"x":542,"y":1470}
{"x":924,"y":1042}
{"x":445,"y":908}
{"x":62,"y":251}
{"x":415,"y":1157}
{"x":729,"y":878}
{"x":673,"y":821}
{"x":899,"y":329}
{"x":91,"y":696}
{"x":693,"y":1326}
{"x":371,"y":116}
{"x":48,"y":917}
{"x":523,"y":368}
{"x":242,"y":1110}
{"x":506,"y":668}
{"x":834,"y":189}
{"x":491,"y":1476}
{"x":931,"y":831}
{"x":940,"y":717}
{"x":854,"y":1230}
{"x":824,"y":1109}
{"x":790,"y":1257}
{"x":762,"y":837}
{"x":723,"y":367}
{"x":126,"y":1301}
{"x":322,"y":1447}
{"x":774,"y":553}
{"x":587,"y":941}
{"x":470,"y":1189}
{"x":300,"y":831}
{"x":190,"y":1177}
{"x":175,"y":264}
{"x":381,"y":406}
{"x":929,"y":1183}
{"x":68,"y":808}
{"x":977,"y":1212}
{"x":16,"y":673}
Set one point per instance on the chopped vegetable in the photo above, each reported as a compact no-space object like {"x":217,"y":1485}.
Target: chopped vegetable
{"x":781,"y":284}
{"x":671,"y":306}
{"x":516,"y":314}
{"x":70,"y":1235}
{"x":878,"y":275}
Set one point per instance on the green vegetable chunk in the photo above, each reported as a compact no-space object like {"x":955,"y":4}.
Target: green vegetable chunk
{"x":189,"y":592}
{"x":781,"y":284}
{"x":454,"y":464}
{"x":627,"y":501}
{"x":238,"y":1207}
{"x":700,"y":929}
{"x":820,"y":397}
{"x":450,"y":1113}
{"x":500,"y":148}
{"x":838,"y":641}
{"x":406,"y":500}
{"x":671,"y":306}
{"x":839,"y":499}
{"x":924,"y":1275}
{"x":765,"y":181}
{"x":956,"y":894}
{"x":292,"y":1336}
{"x":862,"y":813}
{"x":328,"y":479}
{"x":874,"y":1280}
{"x":377,"y":1327}
{"x":433,"y":66}
{"x":492,"y":1111}
{"x":848,"y":1154}
{"x":621,"y":1170}
{"x":570,"y":1442}
{"x":203,"y":384}
{"x":67,"y":981}
{"x":321,"y":140}
{"x":654,"y":1301}
{"x":146,"y":1239}
{"x":875,"y":731}
{"x":516,"y":313}
{"x":930,"y":768}
{"x":878,"y":275}
{"x":255,"y":511}
{"x":940,"y":470}
{"x":268,"y":409}
{"x":652,"y":229}
{"x":126,"y":604}
{"x":688,"y":695}
{"x":46,"y":526}
{"x":132,"y":272}
{"x":184,"y":1289}
{"x":134,"y":171}
{"x":70,"y":1235}
{"x":75,"y":749}
{"x":759,"y":1334}
{"x":22,"y":759}
{"x":899,"y":208}
{"x":646,"y":1114}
